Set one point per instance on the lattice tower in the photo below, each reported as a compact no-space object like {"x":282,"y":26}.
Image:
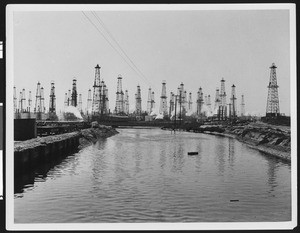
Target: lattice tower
{"x":38,"y":104}
{"x":242,"y":106}
{"x":209,"y":103}
{"x":89,"y":102}
{"x":96,"y":93}
{"x":42,"y":100}
{"x":52,"y":104}
{"x":29,"y":101}
{"x":69,"y":97}
{"x":172,"y":101}
{"x":119,"y":97}
{"x":138,"y":101}
{"x":199,"y":101}
{"x":149,"y":109}
{"x":126,"y":103}
{"x":223,"y":103}
{"x":163,"y":108}
{"x":233,"y":102}
{"x":273,"y":99}
{"x":74,"y":94}
{"x":152,"y":101}
{"x":66,"y":100}
{"x":217,"y":101}
{"x":80,"y":103}
{"x":190,"y":103}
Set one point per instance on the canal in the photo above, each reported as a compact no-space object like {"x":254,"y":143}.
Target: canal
{"x":145,"y":175}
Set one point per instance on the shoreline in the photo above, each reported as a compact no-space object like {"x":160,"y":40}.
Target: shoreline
{"x":268,"y":139}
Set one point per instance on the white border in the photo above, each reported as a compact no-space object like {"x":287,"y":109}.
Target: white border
{"x":145,"y":226}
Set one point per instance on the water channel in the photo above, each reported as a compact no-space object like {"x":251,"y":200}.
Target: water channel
{"x":145,"y":175}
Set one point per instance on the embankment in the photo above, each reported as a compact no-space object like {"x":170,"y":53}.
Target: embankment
{"x":29,"y":153}
{"x":269,"y":139}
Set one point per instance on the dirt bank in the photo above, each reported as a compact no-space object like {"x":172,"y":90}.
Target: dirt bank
{"x":91,"y":135}
{"x":272,"y":140}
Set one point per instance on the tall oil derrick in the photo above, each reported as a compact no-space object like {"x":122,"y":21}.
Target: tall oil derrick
{"x":242,"y":106}
{"x":126,"y":110}
{"x":163,"y":108}
{"x":52,"y":104}
{"x":15,"y":100}
{"x":66,"y":100}
{"x":190,"y":103}
{"x":209,"y":104}
{"x":69,"y":98}
{"x":120,"y":97}
{"x":80,"y":103}
{"x":38,"y":101}
{"x":89,"y":102}
{"x":42,"y":100}
{"x":152,"y":101}
{"x":106,"y":100}
{"x":185,"y":102}
{"x":103,"y":98}
{"x":21,"y":107}
{"x":223,"y":104}
{"x":149,"y":109}
{"x":29,"y":102}
{"x":217,"y":103}
{"x":273,"y":99}
{"x":233,"y":103}
{"x":138,"y":101}
{"x":96,"y":93}
{"x":200,"y":101}
{"x":172,"y":101}
{"x":74,"y":94}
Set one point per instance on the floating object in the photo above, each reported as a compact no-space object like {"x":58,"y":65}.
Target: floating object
{"x":234,"y":200}
{"x":192,"y":153}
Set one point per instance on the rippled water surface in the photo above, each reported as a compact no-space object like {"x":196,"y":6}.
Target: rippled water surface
{"x":145,"y":175}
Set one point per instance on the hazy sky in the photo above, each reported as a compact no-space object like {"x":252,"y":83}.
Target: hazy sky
{"x":197,"y":48}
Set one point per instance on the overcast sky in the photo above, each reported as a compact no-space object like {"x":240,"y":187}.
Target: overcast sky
{"x":197,"y":48}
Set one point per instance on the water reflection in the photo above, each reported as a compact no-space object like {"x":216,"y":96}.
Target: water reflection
{"x":220,"y":158}
{"x":231,"y":155}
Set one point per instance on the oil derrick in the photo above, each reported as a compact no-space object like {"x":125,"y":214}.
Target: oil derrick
{"x":200,"y":101}
{"x":152,"y":101}
{"x":217,"y":103}
{"x":80,"y":103}
{"x":66,"y":100}
{"x":190,"y":103}
{"x":209,"y":104}
{"x":96,"y":94}
{"x":42,"y":100}
{"x":126,"y":104}
{"x":242,"y":106}
{"x":138,"y":101}
{"x":149,"y":109}
{"x":29,"y":102}
{"x":69,"y":98}
{"x":120,"y":97}
{"x":89,"y":102}
{"x":22,"y":101}
{"x":232,"y":108}
{"x":273,"y":99}
{"x":182,"y":100}
{"x":103,"y":99}
{"x":52,"y":105}
{"x":163,"y":108}
{"x":223,"y":104}
{"x":172,"y":101}
{"x":15,"y":100}
{"x":74,"y":94}
{"x":38,"y":100}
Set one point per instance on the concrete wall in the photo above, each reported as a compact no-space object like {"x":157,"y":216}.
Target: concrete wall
{"x":24,"y":129}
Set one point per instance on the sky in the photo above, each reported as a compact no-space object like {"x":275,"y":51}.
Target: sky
{"x":198,"y":48}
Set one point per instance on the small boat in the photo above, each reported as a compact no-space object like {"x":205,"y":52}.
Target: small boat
{"x":193,"y":153}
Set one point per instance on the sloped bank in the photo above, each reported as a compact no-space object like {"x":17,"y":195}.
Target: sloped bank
{"x":30,"y":153}
{"x":271,"y":140}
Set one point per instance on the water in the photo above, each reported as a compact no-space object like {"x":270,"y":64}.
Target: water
{"x":145,"y":175}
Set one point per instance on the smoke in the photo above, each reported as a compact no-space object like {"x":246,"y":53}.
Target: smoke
{"x":154,"y":112}
{"x":159,"y":116}
{"x":74,"y":110}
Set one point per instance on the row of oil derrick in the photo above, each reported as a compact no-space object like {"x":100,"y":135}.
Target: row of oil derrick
{"x":26,"y":109}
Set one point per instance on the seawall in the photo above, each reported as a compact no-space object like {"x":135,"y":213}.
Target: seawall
{"x":28,"y":154}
